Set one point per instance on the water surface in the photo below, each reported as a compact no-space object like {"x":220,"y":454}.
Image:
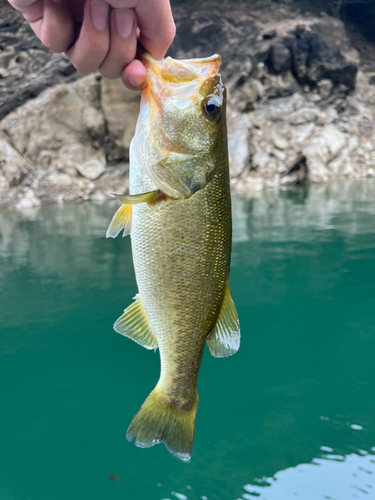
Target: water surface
{"x":291,"y":415}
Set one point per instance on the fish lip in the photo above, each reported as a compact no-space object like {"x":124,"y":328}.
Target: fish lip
{"x":197,"y":60}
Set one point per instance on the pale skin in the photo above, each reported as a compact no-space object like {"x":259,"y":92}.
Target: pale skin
{"x":102,"y":34}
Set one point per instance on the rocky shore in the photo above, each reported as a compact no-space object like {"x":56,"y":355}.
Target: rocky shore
{"x":301,"y":107}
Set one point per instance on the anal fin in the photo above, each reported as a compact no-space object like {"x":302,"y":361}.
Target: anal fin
{"x":224,"y":340}
{"x":121,"y":220}
{"x":134,"y":324}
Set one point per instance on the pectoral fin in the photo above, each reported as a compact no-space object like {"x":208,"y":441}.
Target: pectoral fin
{"x":123,"y":217}
{"x":224,"y":340}
{"x":134,"y":324}
{"x":134,"y":199}
{"x":121,"y":220}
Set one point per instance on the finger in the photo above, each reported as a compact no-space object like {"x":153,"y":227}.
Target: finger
{"x":22,"y":5}
{"x":91,"y":48}
{"x":50,"y":20}
{"x":155,"y":21}
{"x":57,"y":29}
{"x":157,"y":26}
{"x":134,"y":75}
{"x":32,"y":11}
{"x":123,"y":42}
{"x":76,"y":8}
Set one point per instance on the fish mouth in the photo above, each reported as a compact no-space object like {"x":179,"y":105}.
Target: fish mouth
{"x":183,"y":70}
{"x":215,"y":58}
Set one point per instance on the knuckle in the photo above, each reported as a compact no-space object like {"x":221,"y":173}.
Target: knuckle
{"x":82,"y":67}
{"x":53,"y":43}
{"x":111,"y":74}
{"x":87,"y":59}
{"x":47,"y":41}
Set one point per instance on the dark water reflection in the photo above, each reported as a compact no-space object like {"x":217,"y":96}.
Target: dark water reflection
{"x":292,"y":415}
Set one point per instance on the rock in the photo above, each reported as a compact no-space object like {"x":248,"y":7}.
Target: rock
{"x":56,"y":130}
{"x":121,"y":109}
{"x":279,"y":59}
{"x":63,"y":135}
{"x":279,"y":86}
{"x":27,"y":199}
{"x":13,"y":167}
{"x":290,"y":179}
{"x":261,"y":52}
{"x":317,"y":171}
{"x":244,"y":92}
{"x":248,"y":94}
{"x":260,"y":160}
{"x":240,"y":76}
{"x":60,"y":179}
{"x":280,"y":155}
{"x":304,"y":115}
{"x":300,"y":133}
{"x":269,"y":35}
{"x":92,"y":168}
{"x":54,"y":118}
{"x":251,"y":184}
{"x":323,"y":52}
{"x":5,"y":59}
{"x":238,"y":145}
{"x":299,"y":47}
{"x":371,"y":80}
{"x":327,"y":116}
{"x":94,"y":123}
{"x":341,"y":166}
{"x":27,"y":68}
{"x":325,"y":87}
{"x":334,"y":139}
{"x":322,"y":148}
{"x":279,"y":141}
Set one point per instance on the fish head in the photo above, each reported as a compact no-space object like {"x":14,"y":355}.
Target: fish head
{"x":181,"y":133}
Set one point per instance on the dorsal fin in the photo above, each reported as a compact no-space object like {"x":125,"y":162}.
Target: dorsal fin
{"x":134,"y":324}
{"x":224,"y":340}
{"x":121,"y":220}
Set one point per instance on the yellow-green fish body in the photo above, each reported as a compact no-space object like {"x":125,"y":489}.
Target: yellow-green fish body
{"x":181,"y":242}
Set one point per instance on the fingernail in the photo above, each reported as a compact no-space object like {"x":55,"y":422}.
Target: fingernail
{"x":124,"y":22}
{"x":99,"y":14}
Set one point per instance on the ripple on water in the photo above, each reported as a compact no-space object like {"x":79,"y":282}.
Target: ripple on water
{"x":329,"y":477}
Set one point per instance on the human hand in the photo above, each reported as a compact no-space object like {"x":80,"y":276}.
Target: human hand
{"x":102,"y":34}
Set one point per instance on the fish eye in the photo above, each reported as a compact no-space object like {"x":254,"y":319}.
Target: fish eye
{"x":212,"y":107}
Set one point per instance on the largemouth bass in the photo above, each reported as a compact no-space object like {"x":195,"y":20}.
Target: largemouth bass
{"x":179,"y":216}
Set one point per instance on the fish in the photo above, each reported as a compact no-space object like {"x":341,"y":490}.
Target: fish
{"x":178,"y":214}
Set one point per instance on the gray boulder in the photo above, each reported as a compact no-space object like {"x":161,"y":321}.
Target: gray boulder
{"x":322,"y":52}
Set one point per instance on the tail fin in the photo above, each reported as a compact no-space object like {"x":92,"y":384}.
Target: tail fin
{"x":159,"y":420}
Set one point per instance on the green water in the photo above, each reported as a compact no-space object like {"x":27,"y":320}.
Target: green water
{"x":291,"y":415}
